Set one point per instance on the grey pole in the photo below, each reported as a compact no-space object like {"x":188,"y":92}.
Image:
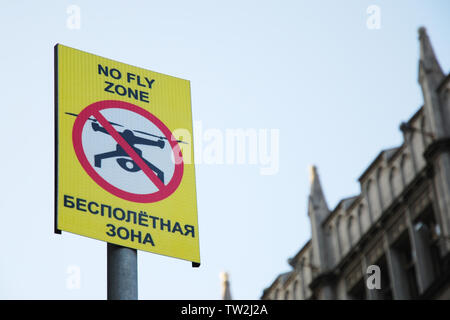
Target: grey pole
{"x":122,"y":273}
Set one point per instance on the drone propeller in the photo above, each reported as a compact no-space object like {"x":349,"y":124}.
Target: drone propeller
{"x":94,"y":120}
{"x":138,"y":131}
{"x":159,"y":137}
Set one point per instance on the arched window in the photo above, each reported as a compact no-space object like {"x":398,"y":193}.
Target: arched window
{"x":286,"y":295}
{"x":360,"y":220}
{"x":380,"y":196}
{"x":349,"y":231}
{"x":302,"y":277}
{"x":391,"y":182}
{"x":338,"y":236}
{"x":312,"y":268}
{"x":294,"y":290}
{"x":276,"y":294}
{"x":369,"y":200}
{"x":330,"y":238}
{"x":402,"y":169}
{"x":422,"y":130}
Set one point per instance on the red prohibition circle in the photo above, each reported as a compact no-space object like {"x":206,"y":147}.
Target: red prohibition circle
{"x":93,"y":111}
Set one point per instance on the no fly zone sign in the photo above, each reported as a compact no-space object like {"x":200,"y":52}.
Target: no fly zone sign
{"x":124,"y":167}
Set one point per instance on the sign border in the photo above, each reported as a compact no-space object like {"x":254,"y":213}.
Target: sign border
{"x":56,"y":133}
{"x":56,"y":149}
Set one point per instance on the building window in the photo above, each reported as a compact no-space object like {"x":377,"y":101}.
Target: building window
{"x":385,"y":292}
{"x":360,"y":221}
{"x":391,"y":183}
{"x":294,"y":290}
{"x":312,"y":266}
{"x":402,"y":248}
{"x":402,"y":170}
{"x":338,"y":235}
{"x":423,"y":129}
{"x":286,"y":295}
{"x":302,"y":277}
{"x":428,"y":228}
{"x":276,"y":294}
{"x":369,"y":200}
{"x":349,"y":231}
{"x":380,"y":196}
{"x":358,"y":291}
{"x":330,"y":237}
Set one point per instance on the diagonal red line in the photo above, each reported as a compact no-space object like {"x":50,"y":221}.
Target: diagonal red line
{"x":128,"y":149}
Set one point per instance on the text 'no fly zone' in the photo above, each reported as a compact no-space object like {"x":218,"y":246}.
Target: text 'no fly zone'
{"x":131,"y":78}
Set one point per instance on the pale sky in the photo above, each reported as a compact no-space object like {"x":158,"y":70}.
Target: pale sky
{"x":335,"y":90}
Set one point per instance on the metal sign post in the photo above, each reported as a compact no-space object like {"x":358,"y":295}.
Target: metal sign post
{"x":122,"y":273}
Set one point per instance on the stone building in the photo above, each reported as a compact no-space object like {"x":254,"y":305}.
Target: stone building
{"x":399,"y":222}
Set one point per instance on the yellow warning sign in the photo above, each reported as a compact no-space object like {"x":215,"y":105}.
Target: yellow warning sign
{"x":124,"y":155}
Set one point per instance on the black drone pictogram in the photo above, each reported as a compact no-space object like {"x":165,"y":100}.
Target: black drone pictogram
{"x":124,"y":160}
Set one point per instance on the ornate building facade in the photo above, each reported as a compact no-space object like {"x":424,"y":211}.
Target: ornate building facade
{"x":400,"y":222}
